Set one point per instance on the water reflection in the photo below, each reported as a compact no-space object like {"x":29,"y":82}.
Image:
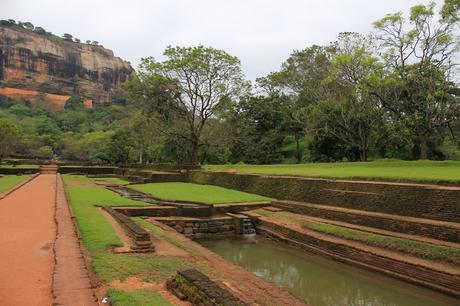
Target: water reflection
{"x":322,"y":282}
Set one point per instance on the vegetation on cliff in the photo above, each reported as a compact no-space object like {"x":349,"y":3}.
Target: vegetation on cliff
{"x":28,"y":26}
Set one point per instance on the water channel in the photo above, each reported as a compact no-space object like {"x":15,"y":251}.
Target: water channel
{"x":322,"y":282}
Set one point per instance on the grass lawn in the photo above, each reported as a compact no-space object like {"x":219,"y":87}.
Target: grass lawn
{"x":207,"y":194}
{"x":9,"y":181}
{"x":413,"y":247}
{"x":137,"y":297}
{"x":380,"y":169}
{"x":98,"y":236}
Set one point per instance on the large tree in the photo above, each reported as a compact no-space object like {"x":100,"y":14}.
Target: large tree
{"x":187,"y":89}
{"x":419,"y":54}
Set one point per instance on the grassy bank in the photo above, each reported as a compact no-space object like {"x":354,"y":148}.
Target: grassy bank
{"x":207,"y":194}
{"x":136,"y":297}
{"x":448,"y":171}
{"x":99,"y":236}
{"x":9,"y":181}
{"x":413,"y":247}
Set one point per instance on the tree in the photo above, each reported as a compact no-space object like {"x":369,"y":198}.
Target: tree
{"x":74,"y":103}
{"x":40,"y":30}
{"x":418,"y":88}
{"x":88,"y":42}
{"x":77,"y":40}
{"x":28,"y":26}
{"x":191,"y":86}
{"x":67,"y":36}
{"x":10,"y":138}
{"x":95,"y":42}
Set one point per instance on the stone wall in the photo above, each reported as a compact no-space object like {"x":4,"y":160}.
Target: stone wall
{"x":140,"y":237}
{"x":87,"y":170}
{"x":198,"y":289}
{"x":441,"y":230}
{"x":405,"y":270}
{"x":196,"y":228}
{"x":417,"y":200}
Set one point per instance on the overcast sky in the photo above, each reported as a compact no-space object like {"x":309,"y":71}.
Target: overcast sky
{"x":262,"y":33}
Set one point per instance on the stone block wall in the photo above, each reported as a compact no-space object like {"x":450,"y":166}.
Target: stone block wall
{"x":195,"y":228}
{"x":417,"y":200}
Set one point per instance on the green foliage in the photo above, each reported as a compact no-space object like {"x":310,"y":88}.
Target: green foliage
{"x":10,"y":138}
{"x":207,"y":194}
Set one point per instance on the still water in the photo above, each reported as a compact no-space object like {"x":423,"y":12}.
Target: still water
{"x":322,"y":282}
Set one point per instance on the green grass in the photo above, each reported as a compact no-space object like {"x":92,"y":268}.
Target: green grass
{"x":138,"y":297}
{"x":98,"y":236}
{"x":381,"y":169}
{"x":114,"y":180}
{"x":9,"y":181}
{"x":207,"y":194}
{"x":413,"y":247}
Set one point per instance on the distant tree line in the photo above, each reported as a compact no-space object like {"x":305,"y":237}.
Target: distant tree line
{"x":39,"y":30}
{"x":391,"y":94}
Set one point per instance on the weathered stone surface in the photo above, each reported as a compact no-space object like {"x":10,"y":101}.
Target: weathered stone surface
{"x":47,"y":67}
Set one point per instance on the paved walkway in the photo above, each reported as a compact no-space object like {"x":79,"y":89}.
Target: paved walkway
{"x":27,"y":233}
{"x":40,"y":258}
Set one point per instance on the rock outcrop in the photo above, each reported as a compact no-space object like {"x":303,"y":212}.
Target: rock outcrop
{"x":46,"y":66}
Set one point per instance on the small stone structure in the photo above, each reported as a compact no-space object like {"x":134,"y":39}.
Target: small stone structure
{"x":140,"y":237}
{"x":197,"y":228}
{"x":198,"y":289}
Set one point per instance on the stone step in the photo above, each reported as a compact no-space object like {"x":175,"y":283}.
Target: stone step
{"x":432,"y":229}
{"x":432,"y":274}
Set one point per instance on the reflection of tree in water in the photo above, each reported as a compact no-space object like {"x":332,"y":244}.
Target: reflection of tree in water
{"x":320,"y":283}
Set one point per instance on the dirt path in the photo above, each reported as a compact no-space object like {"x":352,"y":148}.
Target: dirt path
{"x":71,"y":282}
{"x":27,"y":233}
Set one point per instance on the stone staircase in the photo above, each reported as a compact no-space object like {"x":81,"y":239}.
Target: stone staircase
{"x":302,"y":225}
{"x":368,"y":220}
{"x":48,"y":169}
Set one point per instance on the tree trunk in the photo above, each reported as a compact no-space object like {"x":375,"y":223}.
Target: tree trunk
{"x":424,"y":146}
{"x":194,"y":157}
{"x":298,"y":154}
{"x":141,"y":153}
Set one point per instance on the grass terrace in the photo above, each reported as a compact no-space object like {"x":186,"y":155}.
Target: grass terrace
{"x":99,"y":237}
{"x":413,"y":247}
{"x":424,"y":170}
{"x":207,"y":194}
{"x":9,"y":181}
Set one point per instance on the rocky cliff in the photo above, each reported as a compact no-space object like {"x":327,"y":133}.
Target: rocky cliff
{"x":33,"y":64}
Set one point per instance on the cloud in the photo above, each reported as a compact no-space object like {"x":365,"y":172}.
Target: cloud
{"x":262,"y":33}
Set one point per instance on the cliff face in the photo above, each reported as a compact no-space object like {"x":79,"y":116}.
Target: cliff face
{"x":31,"y":62}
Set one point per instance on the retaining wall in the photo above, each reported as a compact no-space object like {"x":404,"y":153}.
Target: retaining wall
{"x":87,"y":170}
{"x":140,"y":236}
{"x":202,"y":228}
{"x":411,"y":272}
{"x":198,"y":289}
{"x":441,"y":230}
{"x":417,"y":200}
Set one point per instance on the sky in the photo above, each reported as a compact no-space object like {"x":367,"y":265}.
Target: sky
{"x":262,"y":33}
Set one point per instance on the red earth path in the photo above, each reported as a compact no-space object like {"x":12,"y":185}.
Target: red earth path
{"x":27,"y":233}
{"x":40,"y":259}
